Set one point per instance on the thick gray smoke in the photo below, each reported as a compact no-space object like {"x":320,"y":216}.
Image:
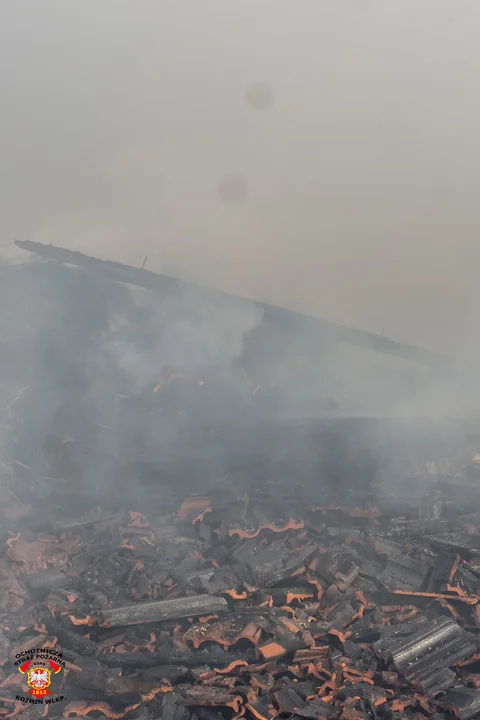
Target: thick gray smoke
{"x":353,"y":124}
{"x":319,"y":156}
{"x":185,"y":332}
{"x":113,"y":393}
{"x":89,"y":366}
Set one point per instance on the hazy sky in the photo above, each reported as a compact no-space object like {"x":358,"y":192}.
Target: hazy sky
{"x":119,"y":118}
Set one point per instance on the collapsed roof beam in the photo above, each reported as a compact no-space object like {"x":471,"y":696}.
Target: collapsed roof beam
{"x":167,"y":285}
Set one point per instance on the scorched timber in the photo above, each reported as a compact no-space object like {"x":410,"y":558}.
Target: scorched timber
{"x":161,"y":611}
{"x":270,"y":313}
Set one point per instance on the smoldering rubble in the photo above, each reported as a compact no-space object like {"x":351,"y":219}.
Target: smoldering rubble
{"x":198,"y":541}
{"x":245,"y":602}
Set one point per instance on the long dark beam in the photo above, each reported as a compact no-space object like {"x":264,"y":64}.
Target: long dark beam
{"x":167,"y":285}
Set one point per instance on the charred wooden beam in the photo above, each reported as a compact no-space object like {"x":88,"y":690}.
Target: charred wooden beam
{"x":161,"y":610}
{"x":214,"y":656}
{"x":271,"y":314}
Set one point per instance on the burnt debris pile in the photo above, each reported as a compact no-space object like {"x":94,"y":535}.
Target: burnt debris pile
{"x":232,"y":607}
{"x":176,"y":544}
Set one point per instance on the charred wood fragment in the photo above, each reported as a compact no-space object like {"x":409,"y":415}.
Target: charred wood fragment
{"x":464,"y":702}
{"x":161,"y":610}
{"x":213,"y":656}
{"x":425,"y":657}
{"x":403,"y":573}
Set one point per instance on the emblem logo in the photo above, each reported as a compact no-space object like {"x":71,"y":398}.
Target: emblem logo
{"x":39,"y":677}
{"x":38,"y":666}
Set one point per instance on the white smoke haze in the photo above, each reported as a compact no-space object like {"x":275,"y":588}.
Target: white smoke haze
{"x":321,"y":156}
{"x":186,"y":332}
